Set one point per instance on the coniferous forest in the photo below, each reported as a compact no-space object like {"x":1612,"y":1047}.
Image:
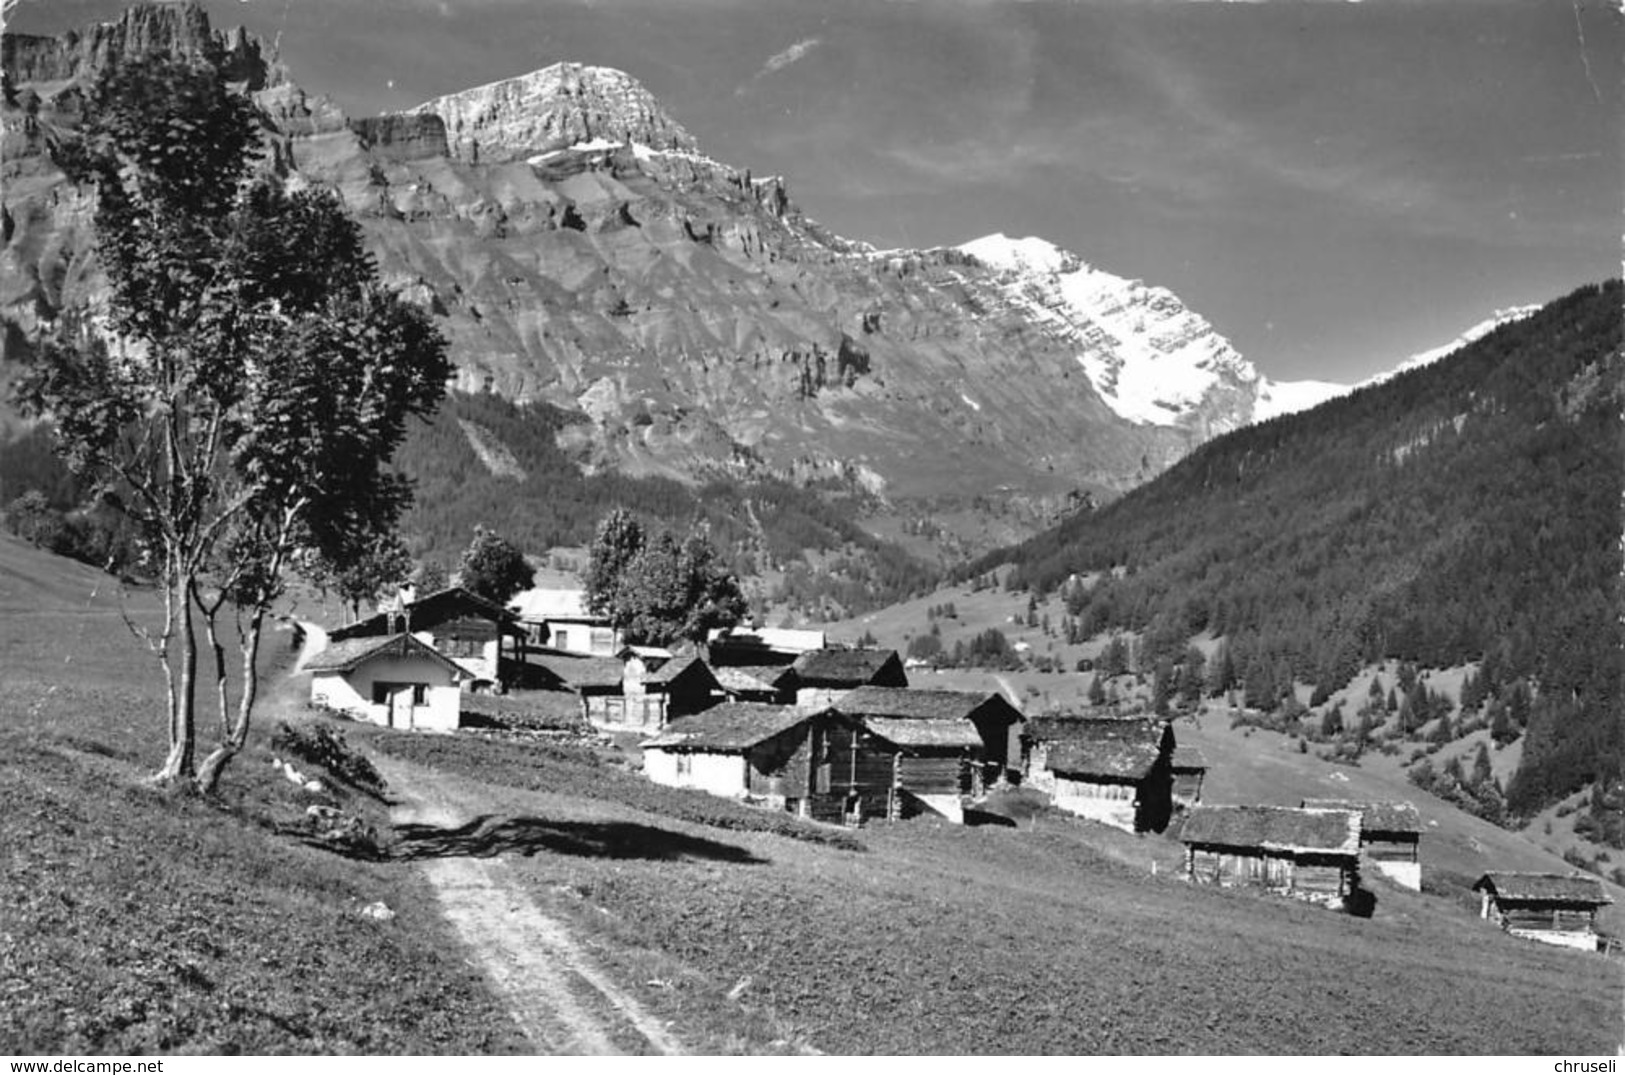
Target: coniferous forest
{"x":1466,"y":511}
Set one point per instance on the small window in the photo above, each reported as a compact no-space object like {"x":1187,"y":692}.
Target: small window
{"x":420,"y":694}
{"x":380,"y":693}
{"x":561,"y":639}
{"x":685,"y":764}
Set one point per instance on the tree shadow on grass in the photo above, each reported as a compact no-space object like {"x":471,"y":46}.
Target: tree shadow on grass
{"x":490,"y":835}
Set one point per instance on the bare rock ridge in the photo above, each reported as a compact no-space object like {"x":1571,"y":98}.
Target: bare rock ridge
{"x":579,"y":249}
{"x":554,"y":108}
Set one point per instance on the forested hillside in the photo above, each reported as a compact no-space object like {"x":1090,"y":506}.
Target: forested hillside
{"x":1468,"y":511}
{"x":533,"y":492}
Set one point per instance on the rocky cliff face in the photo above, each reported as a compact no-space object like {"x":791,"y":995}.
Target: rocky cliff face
{"x":579,"y":249}
{"x":560,"y":106}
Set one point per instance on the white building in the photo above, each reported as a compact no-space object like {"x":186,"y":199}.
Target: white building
{"x":397,"y":681}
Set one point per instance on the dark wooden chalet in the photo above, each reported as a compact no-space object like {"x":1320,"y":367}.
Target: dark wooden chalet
{"x":899,"y":767}
{"x":1546,"y":907}
{"x":1390,"y":837}
{"x":777,"y":754}
{"x":1310,"y":854}
{"x":824,"y":675}
{"x":1188,"y":767}
{"x":479,"y":635}
{"x":996,"y":721}
{"x":774,"y":684}
{"x":1116,"y":770}
{"x":656,"y":689}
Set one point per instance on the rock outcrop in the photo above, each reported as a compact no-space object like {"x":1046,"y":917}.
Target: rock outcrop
{"x":557,"y":107}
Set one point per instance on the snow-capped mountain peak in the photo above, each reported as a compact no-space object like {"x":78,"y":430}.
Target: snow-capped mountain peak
{"x":1150,"y":357}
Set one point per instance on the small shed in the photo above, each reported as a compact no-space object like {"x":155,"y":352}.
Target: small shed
{"x":1188,"y":768}
{"x":1390,"y":837}
{"x":1115,"y":770}
{"x":1310,"y":854}
{"x":595,"y":681}
{"x":824,"y":675}
{"x":746,"y":749}
{"x":996,"y":721}
{"x":774,"y":684}
{"x":1547,"y":907}
{"x":484,"y":638}
{"x":398,"y":681}
{"x":656,"y":690}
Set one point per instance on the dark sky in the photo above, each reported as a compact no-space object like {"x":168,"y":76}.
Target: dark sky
{"x":1333,"y":185}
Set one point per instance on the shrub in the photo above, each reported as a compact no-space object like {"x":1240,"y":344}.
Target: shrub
{"x":321,"y":745}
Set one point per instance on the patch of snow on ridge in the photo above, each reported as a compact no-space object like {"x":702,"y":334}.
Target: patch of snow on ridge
{"x":1276,"y":398}
{"x":1477,"y":332}
{"x":1151,"y":359}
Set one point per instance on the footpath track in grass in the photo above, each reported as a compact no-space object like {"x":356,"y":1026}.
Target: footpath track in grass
{"x":561,"y":998}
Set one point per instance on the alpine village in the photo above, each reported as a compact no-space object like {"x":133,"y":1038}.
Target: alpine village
{"x":490,"y":578}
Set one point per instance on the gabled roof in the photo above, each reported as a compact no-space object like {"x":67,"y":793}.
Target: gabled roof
{"x":670,"y":671}
{"x":1186,"y":759}
{"x":913,"y":733}
{"x":730,"y":728}
{"x":348,"y":654}
{"x":910,"y":703}
{"x":844,"y":667}
{"x":1544,"y":888}
{"x":755,"y":677}
{"x":1116,"y":748}
{"x":1374,"y":816}
{"x":1275,"y":828}
{"x":427,"y":611}
{"x":579,"y":672}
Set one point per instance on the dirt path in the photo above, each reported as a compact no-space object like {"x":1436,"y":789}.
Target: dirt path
{"x":561,"y":999}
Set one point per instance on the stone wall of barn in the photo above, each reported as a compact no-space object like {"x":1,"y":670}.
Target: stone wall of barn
{"x":1109,"y":803}
{"x":719,"y":774}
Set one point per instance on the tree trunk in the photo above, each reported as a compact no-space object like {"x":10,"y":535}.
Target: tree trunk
{"x":182,"y":729}
{"x":232,"y":742}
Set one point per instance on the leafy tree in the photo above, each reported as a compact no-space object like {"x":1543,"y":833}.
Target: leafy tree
{"x":258,"y":382}
{"x":373,"y":569}
{"x":925,"y":647}
{"x":429,"y":577}
{"x":493,"y":567}
{"x":655,"y":590}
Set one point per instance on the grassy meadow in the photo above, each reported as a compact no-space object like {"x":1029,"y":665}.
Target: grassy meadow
{"x":139,"y":921}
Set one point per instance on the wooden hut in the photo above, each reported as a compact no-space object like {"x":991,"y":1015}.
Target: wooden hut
{"x":657,"y":689}
{"x":898,"y":767}
{"x":774,"y":684}
{"x":771,"y":753}
{"x":824,"y":675}
{"x":1546,"y":907}
{"x":1188,"y":768}
{"x":1310,"y":854}
{"x":595,"y":681}
{"x":1390,"y":837}
{"x":1114,"y":770}
{"x":996,"y":721}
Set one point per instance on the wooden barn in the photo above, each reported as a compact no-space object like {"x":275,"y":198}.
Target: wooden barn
{"x":997,"y":722}
{"x":776,"y":754}
{"x":824,"y":675}
{"x":1546,"y":907}
{"x":891,"y":768}
{"x":658,"y":689}
{"x":482,"y":637}
{"x":1188,"y":767}
{"x":398,"y":681}
{"x":1390,"y":837}
{"x":595,"y":681}
{"x":774,"y":684}
{"x":1310,"y":854}
{"x":1116,"y":770}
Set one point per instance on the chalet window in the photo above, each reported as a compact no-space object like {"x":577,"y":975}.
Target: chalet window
{"x":462,"y":647}
{"x":603,"y":639}
{"x":420,"y":694}
{"x":381,"y":692}
{"x":685,"y":764}
{"x":561,"y":639}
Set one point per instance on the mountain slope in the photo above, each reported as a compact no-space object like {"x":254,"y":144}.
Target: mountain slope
{"x":1465,"y":511}
{"x":582,"y":252}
